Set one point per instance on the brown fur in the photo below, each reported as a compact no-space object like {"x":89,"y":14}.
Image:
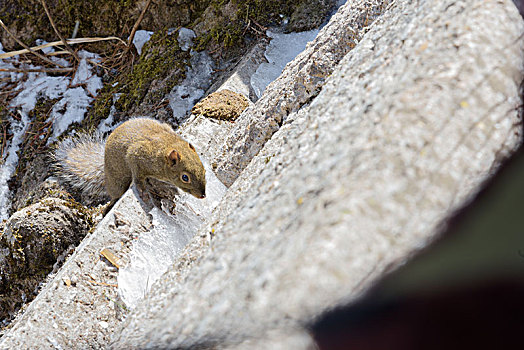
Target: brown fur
{"x":138,"y":149}
{"x":141,"y":148}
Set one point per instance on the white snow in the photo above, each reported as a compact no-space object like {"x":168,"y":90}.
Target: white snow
{"x":77,"y":97}
{"x":155,"y":251}
{"x":198,"y":78}
{"x":141,"y":37}
{"x":106,"y":125}
{"x":74,"y":95}
{"x":45,"y":50}
{"x":74,"y":104}
{"x":185,"y":38}
{"x":281,"y":50}
{"x":38,"y":85}
{"x":18,"y":128}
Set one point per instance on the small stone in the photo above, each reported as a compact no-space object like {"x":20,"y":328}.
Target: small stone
{"x":74,"y":280}
{"x":67,"y":281}
{"x":224,"y":105}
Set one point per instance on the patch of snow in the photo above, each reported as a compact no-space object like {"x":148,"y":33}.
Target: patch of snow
{"x":78,"y":96}
{"x":37,"y":85}
{"x":106,"y":125}
{"x":71,"y":108}
{"x":198,"y":78}
{"x":185,"y":38}
{"x":154,"y":251}
{"x":281,"y":50}
{"x":18,"y":128}
{"x":5,"y":64}
{"x":141,"y":37}
{"x":74,"y":96}
{"x":83,"y":73}
{"x":74,"y":99}
{"x":47,"y":50}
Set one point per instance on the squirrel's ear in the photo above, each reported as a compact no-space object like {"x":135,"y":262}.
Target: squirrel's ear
{"x":174,"y":157}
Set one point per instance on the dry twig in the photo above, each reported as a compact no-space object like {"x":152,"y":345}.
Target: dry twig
{"x":28,"y":48}
{"x":64,"y":41}
{"x":137,"y":23}
{"x":57,"y":43}
{"x":44,"y":70}
{"x":103,"y":284}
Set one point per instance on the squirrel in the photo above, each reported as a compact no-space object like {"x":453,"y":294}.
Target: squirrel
{"x":136,"y":150}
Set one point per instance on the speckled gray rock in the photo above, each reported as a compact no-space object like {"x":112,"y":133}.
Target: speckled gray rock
{"x":301,"y":80}
{"x":405,"y":129}
{"x":79,"y":308}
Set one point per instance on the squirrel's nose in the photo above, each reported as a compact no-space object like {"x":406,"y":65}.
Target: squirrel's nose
{"x":203,"y":195}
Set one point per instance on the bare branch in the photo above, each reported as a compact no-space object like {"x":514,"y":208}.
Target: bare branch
{"x":58,"y":43}
{"x":45,"y":70}
{"x":137,"y":23}
{"x":64,"y":41}
{"x":28,"y":48}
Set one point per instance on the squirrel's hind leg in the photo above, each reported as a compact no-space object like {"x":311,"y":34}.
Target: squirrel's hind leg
{"x":109,"y":206}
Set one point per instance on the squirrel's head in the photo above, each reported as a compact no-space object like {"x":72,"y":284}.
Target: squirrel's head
{"x":189,"y":172}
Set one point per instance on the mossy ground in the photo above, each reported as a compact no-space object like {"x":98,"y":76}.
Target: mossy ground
{"x":161,"y":55}
{"x":28,"y":21}
{"x":237,"y":22}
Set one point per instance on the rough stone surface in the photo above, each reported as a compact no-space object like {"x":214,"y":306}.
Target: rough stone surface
{"x":237,"y":76}
{"x":32,"y":242}
{"x":207,"y":135}
{"x":30,"y":185}
{"x":405,"y":129}
{"x":309,"y":15}
{"x":300,"y":81}
{"x":223,"y":105}
{"x":79,"y":307}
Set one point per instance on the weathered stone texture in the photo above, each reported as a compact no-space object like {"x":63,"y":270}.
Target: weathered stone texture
{"x":405,"y":129}
{"x":32,"y":241}
{"x":79,"y":307}
{"x":300,"y":81}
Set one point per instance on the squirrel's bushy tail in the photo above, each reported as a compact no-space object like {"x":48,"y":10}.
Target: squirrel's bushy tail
{"x":80,"y":162}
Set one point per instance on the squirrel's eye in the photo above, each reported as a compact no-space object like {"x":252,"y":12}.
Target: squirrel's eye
{"x":185,"y":178}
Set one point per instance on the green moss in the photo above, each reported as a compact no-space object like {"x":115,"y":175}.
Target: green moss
{"x":101,"y":107}
{"x":82,"y":211}
{"x":27,"y":19}
{"x":231,"y":30}
{"x":160,"y":56}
